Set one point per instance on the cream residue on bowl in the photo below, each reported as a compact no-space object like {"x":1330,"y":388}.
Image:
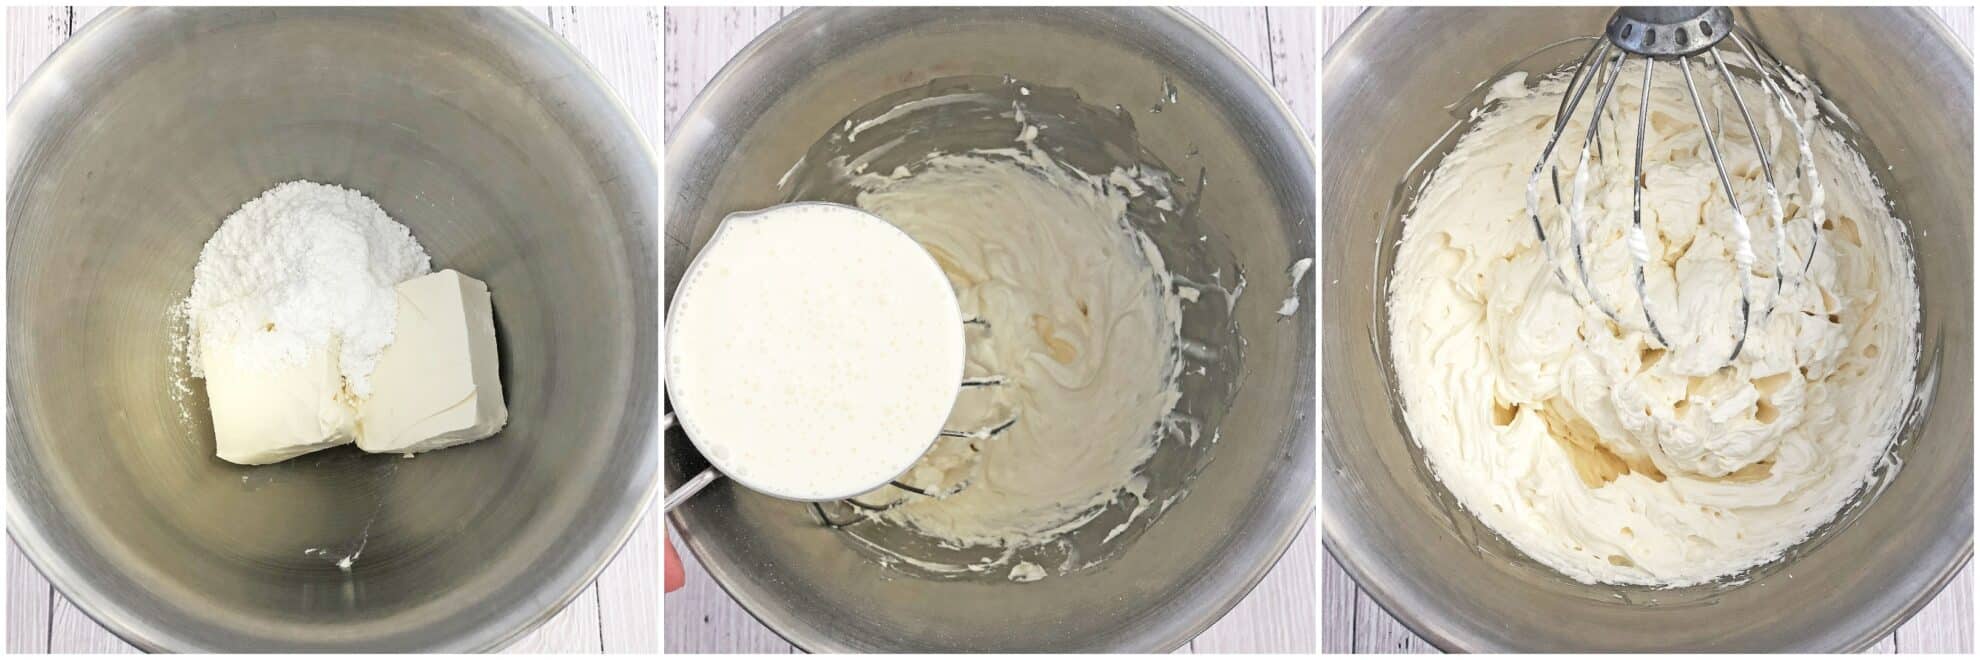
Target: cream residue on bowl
{"x":1584,"y":442}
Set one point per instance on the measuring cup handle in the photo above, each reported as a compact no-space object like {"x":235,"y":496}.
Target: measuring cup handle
{"x":687,"y":490}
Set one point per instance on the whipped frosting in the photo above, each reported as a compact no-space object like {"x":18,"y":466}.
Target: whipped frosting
{"x":1586,"y":442}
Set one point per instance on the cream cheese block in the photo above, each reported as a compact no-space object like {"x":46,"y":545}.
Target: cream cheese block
{"x":436,"y":385}
{"x":263,"y":415}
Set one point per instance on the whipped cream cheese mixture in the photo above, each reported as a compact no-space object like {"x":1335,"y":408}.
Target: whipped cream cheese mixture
{"x":1586,"y":443}
{"x":1083,"y":326}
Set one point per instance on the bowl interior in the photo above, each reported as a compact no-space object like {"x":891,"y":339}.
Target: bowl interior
{"x":796,"y":84}
{"x":477,"y":130}
{"x":1457,"y":583}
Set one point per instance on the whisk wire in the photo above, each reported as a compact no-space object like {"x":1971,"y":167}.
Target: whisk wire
{"x":1639,"y":247}
{"x":1677,"y":35}
{"x":1577,"y":223}
{"x":1742,"y":234}
{"x":1576,"y":87}
{"x":1806,"y":164}
{"x":859,"y":511}
{"x":1776,"y":218}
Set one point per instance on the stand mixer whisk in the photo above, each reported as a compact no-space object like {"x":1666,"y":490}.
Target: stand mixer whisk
{"x":861,"y":511}
{"x":1682,"y":36}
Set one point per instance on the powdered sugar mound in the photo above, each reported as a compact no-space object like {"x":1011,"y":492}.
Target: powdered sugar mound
{"x":301,"y":265}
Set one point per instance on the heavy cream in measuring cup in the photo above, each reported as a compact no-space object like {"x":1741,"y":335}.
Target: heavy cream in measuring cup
{"x":813,"y":350}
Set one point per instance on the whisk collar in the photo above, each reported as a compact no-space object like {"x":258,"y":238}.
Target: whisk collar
{"x":1667,"y":32}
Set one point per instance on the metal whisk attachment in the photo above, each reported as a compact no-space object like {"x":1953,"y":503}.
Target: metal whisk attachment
{"x":858,"y":511}
{"x":1677,"y":35}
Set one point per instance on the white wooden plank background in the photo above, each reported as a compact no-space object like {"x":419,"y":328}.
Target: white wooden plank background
{"x":618,"y":613}
{"x":1278,"y":615}
{"x":1351,"y":621}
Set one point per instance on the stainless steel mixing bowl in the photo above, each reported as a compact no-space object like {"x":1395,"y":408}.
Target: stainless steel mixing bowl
{"x":1907,"y":84}
{"x":508,"y":159}
{"x":793,"y":85}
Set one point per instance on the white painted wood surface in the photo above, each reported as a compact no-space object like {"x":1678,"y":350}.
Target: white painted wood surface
{"x":619,"y":612}
{"x":1278,"y":615}
{"x":1351,"y":621}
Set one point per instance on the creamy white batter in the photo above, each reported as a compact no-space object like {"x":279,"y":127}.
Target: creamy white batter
{"x":1084,"y":323}
{"x":814,"y":350}
{"x":1586,"y":443}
